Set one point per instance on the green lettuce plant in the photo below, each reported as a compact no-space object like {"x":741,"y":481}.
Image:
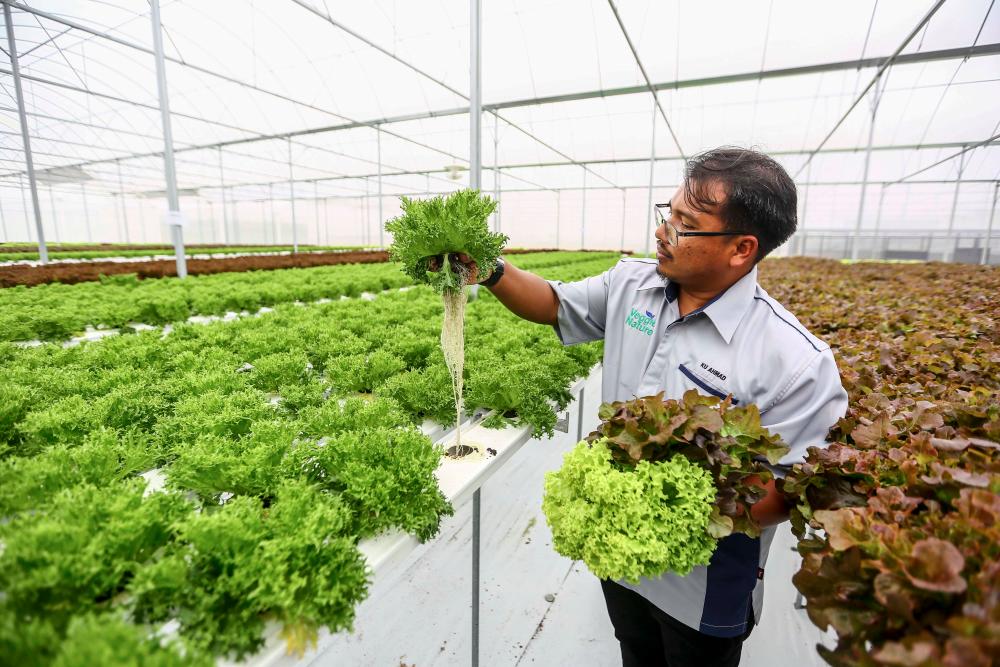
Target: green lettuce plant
{"x":439,"y":227}
{"x":628,"y":523}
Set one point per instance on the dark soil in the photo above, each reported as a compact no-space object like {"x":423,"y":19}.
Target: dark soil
{"x":87,"y":247}
{"x":76,"y":273}
{"x":144,"y":268}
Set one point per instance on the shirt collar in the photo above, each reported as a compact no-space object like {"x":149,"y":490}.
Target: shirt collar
{"x":726,"y":310}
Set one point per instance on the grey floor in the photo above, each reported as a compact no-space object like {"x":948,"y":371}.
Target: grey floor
{"x":418,"y":614}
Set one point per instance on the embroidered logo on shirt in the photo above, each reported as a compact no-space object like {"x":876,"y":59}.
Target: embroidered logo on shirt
{"x":641,"y":321}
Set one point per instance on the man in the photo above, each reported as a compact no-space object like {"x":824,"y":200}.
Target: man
{"x":695,"y":317}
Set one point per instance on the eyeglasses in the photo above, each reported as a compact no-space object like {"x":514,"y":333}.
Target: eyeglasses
{"x":674,"y":234}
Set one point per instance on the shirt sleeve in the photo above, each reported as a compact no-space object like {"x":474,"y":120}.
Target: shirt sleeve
{"x":804,"y":413}
{"x":583,"y":308}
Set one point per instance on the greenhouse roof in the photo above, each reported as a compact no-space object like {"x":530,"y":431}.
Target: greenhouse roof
{"x":345,"y":91}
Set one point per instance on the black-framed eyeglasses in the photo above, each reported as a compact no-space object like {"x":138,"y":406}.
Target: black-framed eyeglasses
{"x":674,"y":234}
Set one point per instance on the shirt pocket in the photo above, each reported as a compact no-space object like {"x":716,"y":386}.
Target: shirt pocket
{"x":705,"y":383}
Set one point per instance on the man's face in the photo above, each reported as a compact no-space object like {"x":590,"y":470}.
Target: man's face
{"x":695,"y":260}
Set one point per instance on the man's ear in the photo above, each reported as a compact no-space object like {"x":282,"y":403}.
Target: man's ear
{"x":744,"y":252}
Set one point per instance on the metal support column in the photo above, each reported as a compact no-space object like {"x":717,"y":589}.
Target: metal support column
{"x":876,"y":97}
{"x":583,"y":210}
{"x":174,"y":219}
{"x":121,"y":201}
{"x":954,"y":206}
{"x":367,"y":215}
{"x":291,"y":198}
{"x":881,"y":247}
{"x":142,"y":223}
{"x":652,"y":173}
{"x":86,"y":213}
{"x":199,"y":218}
{"x":378,"y":138}
{"x":622,"y":244}
{"x":55,"y":221}
{"x":558,"y":207}
{"x":3,"y":223}
{"x":805,"y":209}
{"x":579,"y":413}
{"x":29,"y":165}
{"x":274,"y":225}
{"x":989,"y":226}
{"x":326,"y":220}
{"x":496,"y":170}
{"x":475,"y":182}
{"x":24,"y":207}
{"x":225,"y":213}
{"x":316,"y":209}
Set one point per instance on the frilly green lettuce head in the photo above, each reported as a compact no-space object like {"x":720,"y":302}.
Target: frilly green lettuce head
{"x":628,"y":523}
{"x":442,"y":226}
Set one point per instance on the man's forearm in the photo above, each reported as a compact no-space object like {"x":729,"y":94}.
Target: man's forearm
{"x":771,"y":509}
{"x":527,"y":295}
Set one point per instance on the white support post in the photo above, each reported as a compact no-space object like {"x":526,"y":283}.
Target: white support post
{"x":55,"y":222}
{"x":652,"y":173}
{"x":274,"y":225}
{"x":878,"y":223}
{"x":24,"y":207}
{"x":86,"y":213}
{"x":496,"y":170}
{"x":225,"y":213}
{"x":876,"y":97}
{"x":200,"y":218}
{"x":121,"y":201}
{"x":367,"y":214}
{"x":291,"y":200}
{"x":950,"y":256}
{"x":326,"y":220}
{"x":800,"y":227}
{"x":142,"y":222}
{"x":316,"y":208}
{"x":989,"y":226}
{"x":43,"y":251}
{"x":475,"y":182}
{"x":174,"y":219}
{"x":378,"y":137}
{"x":558,"y":212}
{"x":583,"y":210}
{"x":622,"y":244}
{"x":3,"y":223}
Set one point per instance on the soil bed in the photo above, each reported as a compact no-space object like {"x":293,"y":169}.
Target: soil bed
{"x":76,"y":273}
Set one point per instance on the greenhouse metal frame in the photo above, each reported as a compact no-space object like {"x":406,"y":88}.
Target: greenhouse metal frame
{"x":78,"y":180}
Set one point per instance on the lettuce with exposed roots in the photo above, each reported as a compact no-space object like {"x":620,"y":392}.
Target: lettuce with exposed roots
{"x":441,"y":227}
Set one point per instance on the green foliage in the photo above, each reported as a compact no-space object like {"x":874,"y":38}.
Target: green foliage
{"x":440,"y":227}
{"x":386,"y":473}
{"x":907,"y":497}
{"x":78,"y":554}
{"x":272,"y":473}
{"x":295,"y":561}
{"x":629,"y":523}
{"x":111,"y":641}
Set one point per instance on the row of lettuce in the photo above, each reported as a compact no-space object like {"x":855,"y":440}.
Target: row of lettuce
{"x":29,"y":254}
{"x":283,"y":440}
{"x":906,"y":564}
{"x":57,"y":311}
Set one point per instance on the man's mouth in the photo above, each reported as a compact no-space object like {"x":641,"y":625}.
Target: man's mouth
{"x":661,"y":254}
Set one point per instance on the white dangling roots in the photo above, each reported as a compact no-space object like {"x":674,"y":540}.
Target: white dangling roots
{"x":453,"y":347}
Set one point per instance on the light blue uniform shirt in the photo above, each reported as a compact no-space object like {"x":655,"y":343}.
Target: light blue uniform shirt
{"x":742,"y":343}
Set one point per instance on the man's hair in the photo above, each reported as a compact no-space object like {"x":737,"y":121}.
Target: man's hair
{"x":760,"y":195}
